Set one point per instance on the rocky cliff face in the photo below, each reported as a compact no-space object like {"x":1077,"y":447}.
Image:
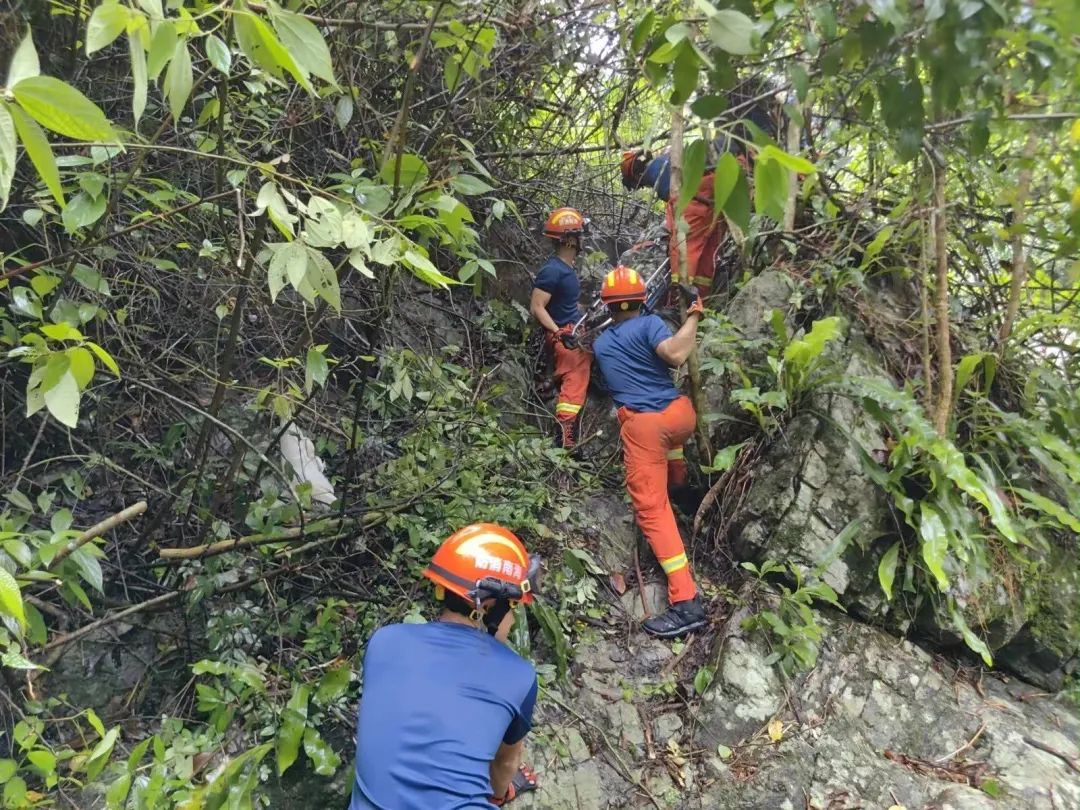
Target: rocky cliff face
{"x":879,"y":721}
{"x":811,"y":484}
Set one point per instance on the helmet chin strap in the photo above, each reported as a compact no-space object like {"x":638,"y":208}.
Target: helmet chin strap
{"x":494,"y":615}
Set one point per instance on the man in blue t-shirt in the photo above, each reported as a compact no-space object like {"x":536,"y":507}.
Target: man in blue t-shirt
{"x":554,"y":305}
{"x":446,"y":705}
{"x":635,"y":356}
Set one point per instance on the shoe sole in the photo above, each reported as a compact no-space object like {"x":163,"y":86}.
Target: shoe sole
{"x":682,"y":631}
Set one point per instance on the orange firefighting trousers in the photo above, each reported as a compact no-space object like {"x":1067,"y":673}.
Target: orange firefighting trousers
{"x":648,"y":438}
{"x":572,"y":368}
{"x":705,"y":232}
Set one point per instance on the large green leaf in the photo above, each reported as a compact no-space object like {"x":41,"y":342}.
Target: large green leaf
{"x":322,"y":278}
{"x":99,"y":757}
{"x":304,"y":43}
{"x":83,"y":210}
{"x":62,"y":400}
{"x":106,"y":23}
{"x":324,"y":759}
{"x":685,"y":72}
{"x":737,"y":206}
{"x":725,"y":178}
{"x":412,"y":170}
{"x":973,"y":642}
{"x":24,"y":64}
{"x":289,"y":262}
{"x":8,"y":139}
{"x":219,"y":54}
{"x":162,"y":48}
{"x":426,"y":271}
{"x":791,"y":162}
{"x":887,"y":569}
{"x":800,"y":353}
{"x":11,"y":603}
{"x":179,"y":79}
{"x":694,"y":159}
{"x":89,"y":568}
{"x":63,"y":109}
{"x":333,"y":684}
{"x":732,"y":31}
{"x":935,"y":543}
{"x":469,"y":185}
{"x":137,"y":50}
{"x":770,"y":189}
{"x":1051,"y":508}
{"x":81,"y":363}
{"x":40,"y":151}
{"x":293,"y":721}
{"x":265,"y":50}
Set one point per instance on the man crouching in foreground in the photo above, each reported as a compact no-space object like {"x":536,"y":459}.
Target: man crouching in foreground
{"x":446,"y":705}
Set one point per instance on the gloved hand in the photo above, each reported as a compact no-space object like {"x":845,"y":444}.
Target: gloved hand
{"x":694,"y":297}
{"x":524,"y":781}
{"x":567,"y":337}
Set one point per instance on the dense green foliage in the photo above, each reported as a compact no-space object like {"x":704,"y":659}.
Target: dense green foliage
{"x":217,"y":221}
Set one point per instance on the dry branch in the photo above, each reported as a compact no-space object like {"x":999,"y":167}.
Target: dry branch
{"x":369,"y":520}
{"x":97,"y":530}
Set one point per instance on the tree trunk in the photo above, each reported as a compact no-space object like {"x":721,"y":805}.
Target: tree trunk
{"x":793,"y":131}
{"x":693,"y":364}
{"x":1019,"y":260}
{"x":944,"y":346}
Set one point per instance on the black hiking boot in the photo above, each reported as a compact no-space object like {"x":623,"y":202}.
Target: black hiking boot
{"x":678,"y":620}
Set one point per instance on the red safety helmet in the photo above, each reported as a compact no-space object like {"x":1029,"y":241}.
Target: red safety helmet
{"x":484,"y":561}
{"x":622,"y":285}
{"x":633,"y":166}
{"x":565,"y":222}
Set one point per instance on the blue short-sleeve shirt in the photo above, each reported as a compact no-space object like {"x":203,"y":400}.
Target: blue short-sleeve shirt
{"x":657,"y":176}
{"x":633,"y":373}
{"x":439,"y":699}
{"x":559,"y":279}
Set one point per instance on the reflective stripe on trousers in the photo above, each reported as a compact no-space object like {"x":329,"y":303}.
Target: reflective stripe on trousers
{"x":572,"y":368}
{"x":647,"y":439}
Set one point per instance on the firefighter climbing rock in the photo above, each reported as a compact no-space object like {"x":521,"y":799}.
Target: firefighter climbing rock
{"x":554,"y":304}
{"x":706,"y":227}
{"x":635,"y":356}
{"x":447,"y":704}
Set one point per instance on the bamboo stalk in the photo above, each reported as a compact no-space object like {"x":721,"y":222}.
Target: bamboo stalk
{"x":693,"y":363}
{"x":1019,"y":259}
{"x":944,"y":344}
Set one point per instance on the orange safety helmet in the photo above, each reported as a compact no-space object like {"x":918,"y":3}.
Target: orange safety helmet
{"x":484,"y":561}
{"x":633,"y":167}
{"x":564,"y":222}
{"x":622,"y":285}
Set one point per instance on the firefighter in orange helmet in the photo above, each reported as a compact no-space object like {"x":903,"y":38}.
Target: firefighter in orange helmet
{"x":446,"y":705}
{"x":635,"y":356}
{"x":554,"y":304}
{"x":705,"y":229}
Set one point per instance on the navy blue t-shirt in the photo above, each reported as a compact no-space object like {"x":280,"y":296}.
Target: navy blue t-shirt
{"x":559,"y":279}
{"x":657,"y":176}
{"x":439,"y":699}
{"x":633,"y":372}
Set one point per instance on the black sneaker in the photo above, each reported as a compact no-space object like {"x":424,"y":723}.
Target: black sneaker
{"x":678,"y":620}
